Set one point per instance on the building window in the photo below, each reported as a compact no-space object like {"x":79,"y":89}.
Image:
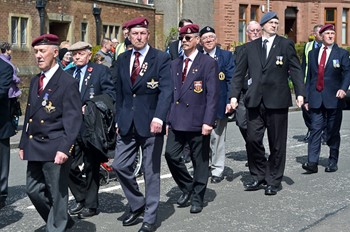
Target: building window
{"x":19,"y":31}
{"x":330,"y":16}
{"x":344,"y":26}
{"x":110,"y":31}
{"x":84,"y":32}
{"x":242,"y":23}
{"x":254,"y":13}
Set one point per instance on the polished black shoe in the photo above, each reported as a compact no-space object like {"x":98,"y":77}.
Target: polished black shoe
{"x":87,"y":213}
{"x":256,"y":185}
{"x":77,"y":209}
{"x":183,"y":199}
{"x":331,"y":168}
{"x":216,"y":179}
{"x":272,"y":190}
{"x":196,"y":209}
{"x":146,"y":227}
{"x":310,"y":168}
{"x":132,"y":217}
{"x":307,"y":136}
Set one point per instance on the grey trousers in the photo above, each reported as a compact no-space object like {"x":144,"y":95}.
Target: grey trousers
{"x":217,"y":147}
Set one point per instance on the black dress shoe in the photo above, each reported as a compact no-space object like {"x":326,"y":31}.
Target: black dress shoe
{"x":183,"y":199}
{"x":310,"y":167}
{"x":77,"y":209}
{"x":331,"y":168}
{"x":87,"y":213}
{"x":272,"y":190}
{"x":196,"y":209}
{"x":146,"y":227}
{"x":307,"y":136}
{"x":216,"y":179}
{"x":256,"y":185}
{"x":132,"y":217}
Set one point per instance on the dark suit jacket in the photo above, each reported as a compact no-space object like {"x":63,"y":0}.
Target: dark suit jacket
{"x":149,"y":97}
{"x":269,"y":81}
{"x":46,"y":132}
{"x":335,"y":78}
{"x":6,"y":127}
{"x":226,"y":66}
{"x":174,"y":50}
{"x":98,"y":77}
{"x":196,"y":100}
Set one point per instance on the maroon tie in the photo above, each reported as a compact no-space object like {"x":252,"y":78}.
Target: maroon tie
{"x":320,"y":77}
{"x":41,"y":84}
{"x":135,"y":68}
{"x":185,"y":70}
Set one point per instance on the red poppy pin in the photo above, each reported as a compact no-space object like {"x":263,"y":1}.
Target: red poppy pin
{"x":90,"y":69}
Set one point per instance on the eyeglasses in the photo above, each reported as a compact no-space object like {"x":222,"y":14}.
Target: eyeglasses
{"x":187,"y":38}
{"x":204,"y":38}
{"x":255,"y":30}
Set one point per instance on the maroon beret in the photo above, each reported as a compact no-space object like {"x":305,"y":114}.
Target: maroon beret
{"x":125,"y":25}
{"x":137,"y":22}
{"x":46,"y":39}
{"x":326,"y":28}
{"x":189,"y":29}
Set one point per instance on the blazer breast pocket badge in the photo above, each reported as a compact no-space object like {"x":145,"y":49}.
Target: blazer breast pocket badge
{"x":336,"y":63}
{"x":152,"y":84}
{"x":198,"y":88}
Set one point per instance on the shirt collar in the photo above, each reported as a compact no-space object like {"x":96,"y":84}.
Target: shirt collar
{"x":192,"y":56}
{"x":211,"y":53}
{"x":49,"y":73}
{"x":143,"y":51}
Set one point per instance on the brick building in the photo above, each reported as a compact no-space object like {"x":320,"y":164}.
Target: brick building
{"x":230,"y":17}
{"x":71,"y":20}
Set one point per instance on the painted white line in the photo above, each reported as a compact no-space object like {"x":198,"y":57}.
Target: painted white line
{"x":110,"y":189}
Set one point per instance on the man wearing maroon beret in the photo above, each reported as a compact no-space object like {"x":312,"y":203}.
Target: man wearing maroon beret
{"x":192,"y":117}
{"x":52,"y":122}
{"x":327,"y":80}
{"x":144,"y":89}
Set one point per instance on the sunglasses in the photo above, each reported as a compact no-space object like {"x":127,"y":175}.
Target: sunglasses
{"x":187,"y":38}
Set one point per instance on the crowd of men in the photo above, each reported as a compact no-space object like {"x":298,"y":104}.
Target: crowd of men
{"x":185,"y":96}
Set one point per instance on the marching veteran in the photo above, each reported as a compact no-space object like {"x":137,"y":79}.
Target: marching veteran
{"x":226,"y":67}
{"x":192,"y":117}
{"x":52,"y":122}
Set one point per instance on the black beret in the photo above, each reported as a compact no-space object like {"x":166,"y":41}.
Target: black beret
{"x":62,"y":52}
{"x":206,"y":30}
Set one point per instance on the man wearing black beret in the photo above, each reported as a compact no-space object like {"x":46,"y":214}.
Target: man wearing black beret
{"x":271,"y":60}
{"x":224,"y":60}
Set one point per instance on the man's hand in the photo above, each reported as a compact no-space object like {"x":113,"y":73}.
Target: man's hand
{"x":117,"y":130}
{"x":340,"y":94}
{"x":300,"y":101}
{"x":21,"y":154}
{"x":306,"y":105}
{"x":60,"y":158}
{"x":233,"y":103}
{"x":229,"y":109}
{"x":206,"y":129}
{"x":156,"y":127}
{"x":83,"y":109}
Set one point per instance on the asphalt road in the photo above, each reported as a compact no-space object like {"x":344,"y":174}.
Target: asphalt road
{"x":318,"y":202}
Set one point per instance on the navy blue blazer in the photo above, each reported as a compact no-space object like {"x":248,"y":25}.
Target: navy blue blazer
{"x":98,"y":79}
{"x":149,"y":97}
{"x":336,"y":77}
{"x":6,"y":127}
{"x":226,"y":67}
{"x":268,"y":80}
{"x":55,"y":125}
{"x":195,"y":101}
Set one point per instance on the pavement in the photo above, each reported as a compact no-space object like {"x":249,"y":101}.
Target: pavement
{"x":316,"y":203}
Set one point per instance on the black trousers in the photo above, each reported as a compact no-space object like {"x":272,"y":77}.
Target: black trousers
{"x":84,"y":181}
{"x":275,"y":121}
{"x":47,"y":188}
{"x":4,"y":167}
{"x":199,"y":145}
